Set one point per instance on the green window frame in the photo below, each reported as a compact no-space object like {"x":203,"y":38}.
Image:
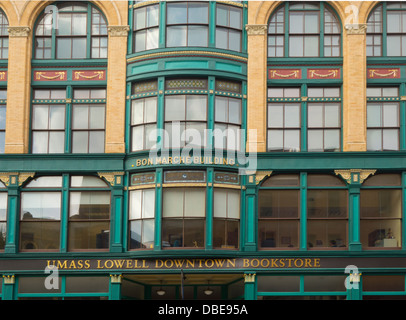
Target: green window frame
{"x":381,"y":212}
{"x":3,"y":111}
{"x":386,"y":34}
{"x":304,"y":118}
{"x":301,"y":287}
{"x":71,"y":31}
{"x":304,"y":30}
{"x":180,"y":24}
{"x":89,"y":287}
{"x":214,"y":108}
{"x":55,"y":211}
{"x":383,"y":286}
{"x":68,"y":120}
{"x":3,"y":216}
{"x":291,"y":204}
{"x":3,"y":36}
{"x":384,"y":118}
{"x":184,"y":210}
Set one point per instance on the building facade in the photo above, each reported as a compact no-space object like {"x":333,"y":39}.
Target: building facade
{"x":202,"y":150}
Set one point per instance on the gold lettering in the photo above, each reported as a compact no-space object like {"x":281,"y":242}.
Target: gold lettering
{"x":282,"y":263}
{"x":299,"y":265}
{"x":61,"y":265}
{"x":188,"y":160}
{"x":87,"y":264}
{"x":158,"y":160}
{"x":266,"y":265}
{"x":170,"y":265}
{"x":159,"y":263}
{"x":144,"y":264}
{"x":256,"y":264}
{"x":119,"y":263}
{"x":98,"y":264}
{"x":308,"y":263}
{"x":246,"y":263}
{"x":80,"y":264}
{"x":170,"y":160}
{"x":72,"y":265}
{"x":191,"y":263}
{"x":129,"y":264}
{"x":317,"y":263}
{"x":211,"y":263}
{"x":230,"y":262}
{"x":179,"y":263}
{"x":290,"y":262}
{"x":175,"y":160}
{"x":138,"y":162}
{"x":274,"y":263}
{"x":219,"y":262}
{"x":109,"y":264}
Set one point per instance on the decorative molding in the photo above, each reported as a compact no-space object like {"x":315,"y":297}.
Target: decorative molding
{"x":118,"y":31}
{"x":10,"y":177}
{"x":360,"y":28}
{"x":249,"y":277}
{"x":323,"y":73}
{"x":87,"y":75}
{"x":19,"y":31}
{"x":354,"y":175}
{"x":9,"y":279}
{"x":116,"y":278}
{"x":187,"y":53}
{"x":110,"y":177}
{"x":284,"y":73}
{"x":50,"y":75}
{"x":256,"y":29}
{"x":384,"y":73}
{"x":260,"y":175}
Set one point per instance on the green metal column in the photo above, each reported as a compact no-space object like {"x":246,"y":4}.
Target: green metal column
{"x":354,"y":217}
{"x":303,"y":211}
{"x":209,"y":211}
{"x":158,"y":208}
{"x":250,"y":286}
{"x":250,"y":215}
{"x":13,"y":209}
{"x":8,"y":287}
{"x":117,"y":195}
{"x":115,"y":287}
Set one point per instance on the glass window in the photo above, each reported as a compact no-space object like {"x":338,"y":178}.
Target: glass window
{"x":381,"y":213}
{"x":144,"y":123}
{"x":3,"y":96}
{"x":302,"y":31}
{"x":185,"y":120}
{"x":187,"y":24}
{"x":278,"y":216}
{"x":146,"y":28}
{"x":89,"y":220}
{"x":327,"y":213}
{"x":382,"y":120}
{"x":183,"y":217}
{"x":3,"y":36}
{"x":228,"y":27}
{"x":226,"y":218}
{"x":40,"y":220}
{"x":324,"y":121}
{"x":81,"y":33}
{"x":142,"y":219}
{"x":3,"y":216}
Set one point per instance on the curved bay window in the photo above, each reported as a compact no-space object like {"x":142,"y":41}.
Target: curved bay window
{"x":184,"y":209}
{"x":142,"y":211}
{"x":185,"y":115}
{"x":386,"y":32}
{"x":327,"y":212}
{"x":3,"y":215}
{"x":187,"y":24}
{"x":279,"y":212}
{"x":381,"y":212}
{"x":87,"y":217}
{"x":304,"y":30}
{"x":71,"y":31}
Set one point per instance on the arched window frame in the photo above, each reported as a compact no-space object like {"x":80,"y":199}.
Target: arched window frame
{"x":49,"y":22}
{"x":328,"y":33}
{"x":379,"y":32}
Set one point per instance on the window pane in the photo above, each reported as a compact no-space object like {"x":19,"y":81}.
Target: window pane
{"x":390,"y":115}
{"x":195,"y":202}
{"x":176,"y":36}
{"x":292,"y":115}
{"x":96,"y":142}
{"x":393,"y":19}
{"x":278,"y":204}
{"x":390,"y":140}
{"x":80,"y":141}
{"x":88,"y":205}
{"x":311,"y":46}
{"x":140,"y":18}
{"x":172,"y":202}
{"x":292,"y":140}
{"x":197,"y":36}
{"x":296,"y":46}
{"x":152,"y":38}
{"x":64,"y":48}
{"x":275,"y":140}
{"x":315,"y":140}
{"x":235,"y":17}
{"x":234,"y":40}
{"x":311,"y":22}
{"x":78,"y":48}
{"x":57,"y":117}
{"x":150,"y":110}
{"x":80,"y":117}
{"x":89,"y":235}
{"x":79,"y":24}
{"x":332,"y":115}
{"x":198,"y":13}
{"x":393,"y":46}
{"x":194,"y":232}
{"x":39,"y":235}
{"x":39,"y":142}
{"x":87,"y":181}
{"x":374,"y":117}
{"x":97,"y":117}
{"x":176,"y":13}
{"x":331,"y":140}
{"x":315,"y":115}
{"x":381,"y":203}
{"x":137,"y":111}
{"x":175,"y":108}
{"x":196,"y":108}
{"x":40,"y":205}
{"x":56,"y":142}
{"x":296,"y":22}
{"x":374,"y":140}
{"x":40,"y":117}
{"x":275,"y":116}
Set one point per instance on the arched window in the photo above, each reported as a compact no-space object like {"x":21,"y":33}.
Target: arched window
{"x":304,"y":30}
{"x":71,"y":31}
{"x":3,"y":36}
{"x":386,"y":31}
{"x":3,"y":215}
